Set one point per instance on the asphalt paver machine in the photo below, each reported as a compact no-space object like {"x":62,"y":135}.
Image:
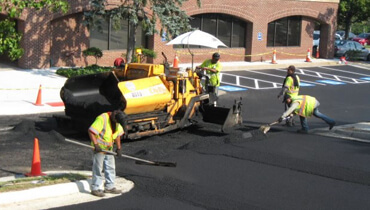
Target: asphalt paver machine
{"x":154,"y":98}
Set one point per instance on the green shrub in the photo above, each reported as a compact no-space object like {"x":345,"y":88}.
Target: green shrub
{"x":145,"y":53}
{"x":93,"y":51}
{"x":72,"y":72}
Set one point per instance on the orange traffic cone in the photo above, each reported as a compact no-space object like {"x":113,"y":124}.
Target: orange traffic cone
{"x":308,"y":56}
{"x":176,"y":62}
{"x":38,"y":100}
{"x":36,"y":161}
{"x":317,"y":52}
{"x":343,"y":60}
{"x":273,"y":61}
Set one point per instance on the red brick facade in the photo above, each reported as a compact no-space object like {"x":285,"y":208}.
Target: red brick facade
{"x":59,"y":39}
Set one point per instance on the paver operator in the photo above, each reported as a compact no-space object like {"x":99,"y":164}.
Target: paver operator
{"x":289,"y":88}
{"x":103,"y":133}
{"x":212,"y":67}
{"x":305,"y":106}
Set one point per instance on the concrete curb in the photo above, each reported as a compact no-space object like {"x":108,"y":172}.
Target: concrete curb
{"x":356,"y":132}
{"x":82,"y":187}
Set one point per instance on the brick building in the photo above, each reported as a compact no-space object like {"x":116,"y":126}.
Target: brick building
{"x":251,"y":28}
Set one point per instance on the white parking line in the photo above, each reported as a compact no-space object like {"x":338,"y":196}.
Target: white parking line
{"x":330,"y":76}
{"x":349,"y":72}
{"x":273,"y":75}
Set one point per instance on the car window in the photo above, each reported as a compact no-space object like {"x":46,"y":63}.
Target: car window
{"x":358,"y":46}
{"x":316,"y":36}
{"x":351,"y":46}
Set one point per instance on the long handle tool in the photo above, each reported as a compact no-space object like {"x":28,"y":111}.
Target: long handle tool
{"x":138,"y":160}
{"x":266,"y":128}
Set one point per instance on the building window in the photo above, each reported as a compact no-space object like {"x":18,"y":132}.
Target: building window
{"x":114,"y":39}
{"x":284,"y":32}
{"x":230,"y":30}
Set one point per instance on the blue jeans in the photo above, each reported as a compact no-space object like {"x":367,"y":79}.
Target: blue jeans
{"x":317,"y":114}
{"x":103,"y":162}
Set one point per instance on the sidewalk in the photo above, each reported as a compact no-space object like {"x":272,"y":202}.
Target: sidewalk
{"x":56,"y":195}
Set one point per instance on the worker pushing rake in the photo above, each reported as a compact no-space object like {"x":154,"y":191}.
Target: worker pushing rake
{"x":304,"y":106}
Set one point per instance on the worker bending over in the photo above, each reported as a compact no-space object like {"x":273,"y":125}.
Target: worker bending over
{"x":103,"y":133}
{"x":289,"y":88}
{"x":305,"y":106}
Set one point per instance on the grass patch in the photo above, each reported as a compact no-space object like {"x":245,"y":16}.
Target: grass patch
{"x":32,"y":182}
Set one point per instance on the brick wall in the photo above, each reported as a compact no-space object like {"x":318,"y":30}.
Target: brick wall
{"x":59,"y":39}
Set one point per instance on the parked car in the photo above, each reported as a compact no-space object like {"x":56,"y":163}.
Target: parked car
{"x":363,"y":38}
{"x":351,"y":50}
{"x":316,"y":41}
{"x":343,"y":33}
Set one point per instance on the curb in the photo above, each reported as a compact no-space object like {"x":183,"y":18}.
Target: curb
{"x":356,"y":132}
{"x":62,"y":191}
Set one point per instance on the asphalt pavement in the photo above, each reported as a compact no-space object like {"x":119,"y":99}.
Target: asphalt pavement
{"x":36,"y":91}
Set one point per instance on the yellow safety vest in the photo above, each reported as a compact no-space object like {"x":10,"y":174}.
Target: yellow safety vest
{"x":104,"y":134}
{"x":292,"y":90}
{"x":306,"y":105}
{"x":214,"y":79}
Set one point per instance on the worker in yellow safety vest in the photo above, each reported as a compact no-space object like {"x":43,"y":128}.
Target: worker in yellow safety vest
{"x":290,"y":88}
{"x":305,"y":106}
{"x":212,"y":68}
{"x":103,"y":133}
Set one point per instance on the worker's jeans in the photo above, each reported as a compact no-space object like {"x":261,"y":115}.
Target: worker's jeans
{"x":103,"y":162}
{"x":317,"y":114}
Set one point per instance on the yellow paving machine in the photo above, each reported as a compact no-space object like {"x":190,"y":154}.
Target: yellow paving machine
{"x":154,"y":98}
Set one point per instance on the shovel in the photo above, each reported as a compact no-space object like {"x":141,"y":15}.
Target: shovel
{"x":138,"y":160}
{"x":266,"y":128}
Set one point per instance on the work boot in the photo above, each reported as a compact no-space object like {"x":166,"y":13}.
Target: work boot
{"x":113,"y":191}
{"x":331,"y":126}
{"x":301,"y":131}
{"x":98,"y":193}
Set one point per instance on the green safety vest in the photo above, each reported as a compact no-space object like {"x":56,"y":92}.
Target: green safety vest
{"x":104,"y":134}
{"x":292,"y":90}
{"x":306,"y":105}
{"x":214,"y":78}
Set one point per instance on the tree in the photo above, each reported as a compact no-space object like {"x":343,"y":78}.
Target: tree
{"x":9,"y":37}
{"x":172,"y":19}
{"x":352,"y":11}
{"x":93,"y":51}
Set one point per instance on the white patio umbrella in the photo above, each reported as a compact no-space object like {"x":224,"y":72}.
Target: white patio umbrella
{"x":199,"y":38}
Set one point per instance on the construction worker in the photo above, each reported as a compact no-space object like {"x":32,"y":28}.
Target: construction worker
{"x":212,"y":68}
{"x":290,"y":88}
{"x":305,"y":106}
{"x":103,"y":133}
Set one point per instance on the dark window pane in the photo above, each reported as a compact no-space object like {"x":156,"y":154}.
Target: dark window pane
{"x":229,"y":30}
{"x":209,"y":24}
{"x":281,"y":32}
{"x":98,"y":38}
{"x":195,"y":22}
{"x":271,"y":34}
{"x":294,"y":32}
{"x":118,"y":39}
{"x":284,"y":32}
{"x":238,"y":38}
{"x":140,"y":37}
{"x":224,"y":29}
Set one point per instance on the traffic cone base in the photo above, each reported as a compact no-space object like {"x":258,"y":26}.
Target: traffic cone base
{"x":38,"y":99}
{"x":36,"y":161}
{"x":176,"y":62}
{"x":308,"y":56}
{"x":273,"y":61}
{"x":317,"y":52}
